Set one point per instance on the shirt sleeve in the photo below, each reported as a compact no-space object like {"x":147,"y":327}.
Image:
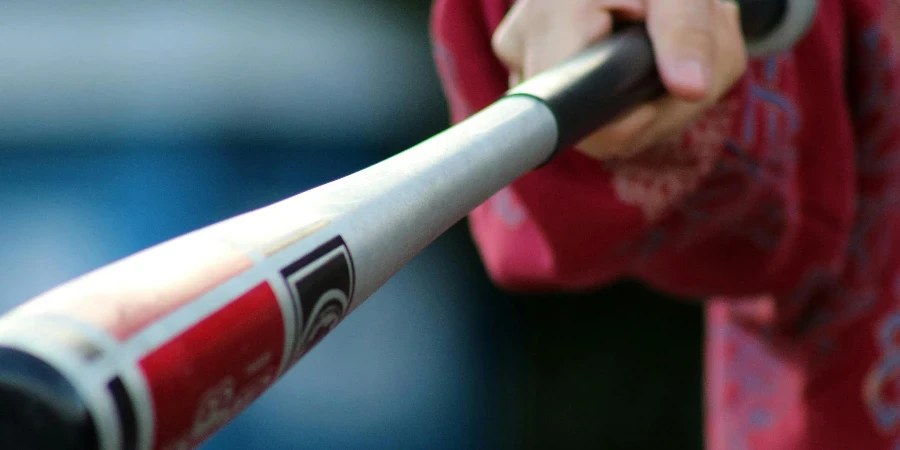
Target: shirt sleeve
{"x":754,"y":196}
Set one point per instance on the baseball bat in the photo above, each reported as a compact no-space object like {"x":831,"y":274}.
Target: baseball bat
{"x":161,"y":349}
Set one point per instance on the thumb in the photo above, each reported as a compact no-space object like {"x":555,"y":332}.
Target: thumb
{"x":682,"y":33}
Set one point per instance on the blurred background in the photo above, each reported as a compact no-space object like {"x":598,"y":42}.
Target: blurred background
{"x":124,"y":124}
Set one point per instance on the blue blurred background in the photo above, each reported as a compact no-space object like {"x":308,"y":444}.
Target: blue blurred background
{"x":126,"y":124}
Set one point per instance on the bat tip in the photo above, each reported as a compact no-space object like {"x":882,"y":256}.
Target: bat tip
{"x":40,"y":408}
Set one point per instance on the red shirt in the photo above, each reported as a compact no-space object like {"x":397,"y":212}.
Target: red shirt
{"x":781,"y":206}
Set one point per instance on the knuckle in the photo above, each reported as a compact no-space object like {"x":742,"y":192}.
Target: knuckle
{"x":504,"y":48}
{"x":497,"y":44}
{"x":506,"y":39}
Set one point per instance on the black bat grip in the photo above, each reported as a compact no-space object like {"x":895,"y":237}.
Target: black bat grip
{"x":620,"y":73}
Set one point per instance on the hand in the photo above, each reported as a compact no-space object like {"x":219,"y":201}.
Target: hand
{"x":699,"y":50}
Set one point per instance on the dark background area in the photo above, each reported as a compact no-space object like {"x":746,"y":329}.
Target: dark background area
{"x":123,"y":125}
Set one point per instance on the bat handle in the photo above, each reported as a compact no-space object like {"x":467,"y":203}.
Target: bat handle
{"x":620,"y":72}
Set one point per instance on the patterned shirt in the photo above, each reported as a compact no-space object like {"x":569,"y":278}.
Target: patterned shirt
{"x":780,"y":206}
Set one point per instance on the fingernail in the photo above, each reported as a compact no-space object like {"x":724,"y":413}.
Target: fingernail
{"x":693,"y":75}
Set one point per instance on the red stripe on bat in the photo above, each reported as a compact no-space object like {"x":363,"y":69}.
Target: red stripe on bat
{"x":205,"y":376}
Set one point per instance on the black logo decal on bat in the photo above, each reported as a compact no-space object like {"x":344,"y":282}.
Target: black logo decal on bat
{"x":321,"y":285}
